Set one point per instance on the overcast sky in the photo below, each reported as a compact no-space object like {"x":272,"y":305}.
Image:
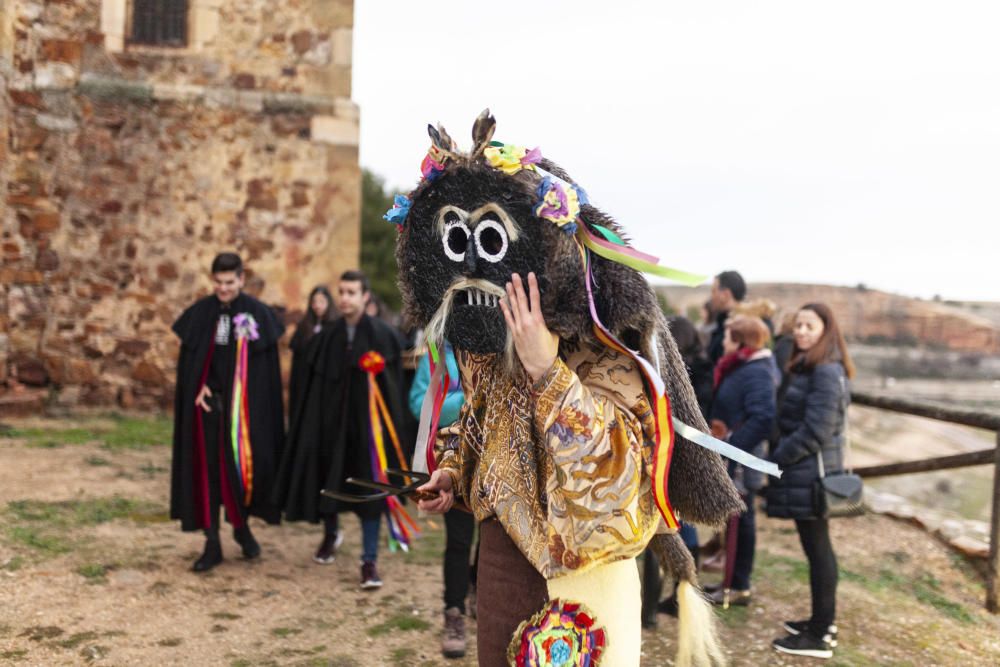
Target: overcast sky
{"x":837,"y":142}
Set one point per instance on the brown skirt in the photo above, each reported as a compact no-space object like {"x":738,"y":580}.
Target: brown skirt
{"x":509,"y":590}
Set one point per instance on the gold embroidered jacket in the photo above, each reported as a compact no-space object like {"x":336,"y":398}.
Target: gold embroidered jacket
{"x":564,"y":464}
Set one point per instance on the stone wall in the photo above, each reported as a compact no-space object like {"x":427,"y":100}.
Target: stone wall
{"x":131,"y":167}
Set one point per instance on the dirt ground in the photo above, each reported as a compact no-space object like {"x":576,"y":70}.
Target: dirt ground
{"x":92,"y":572}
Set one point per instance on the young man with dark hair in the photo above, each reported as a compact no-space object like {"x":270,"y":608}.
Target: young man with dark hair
{"x":228,"y":423}
{"x":728,"y":289}
{"x":333,"y":434}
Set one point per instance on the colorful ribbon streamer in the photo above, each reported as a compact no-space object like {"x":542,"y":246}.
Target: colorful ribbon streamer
{"x":430,"y":412}
{"x":402,"y":528}
{"x":240,"y":420}
{"x":632,"y":258}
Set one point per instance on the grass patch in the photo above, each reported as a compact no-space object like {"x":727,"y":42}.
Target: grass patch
{"x":285,"y":632}
{"x":225,"y":616}
{"x":170,"y":642}
{"x":48,"y":527}
{"x":138,"y":432}
{"x":927,"y":590}
{"x":783,"y":567}
{"x":115,"y":432}
{"x":50,"y":438}
{"x":77,"y":638}
{"x":734,"y":617}
{"x":97,"y":461}
{"x":42,"y":632}
{"x":14,"y":564}
{"x":402,"y":656}
{"x":14,"y":654}
{"x":49,"y":545}
{"x":401,"y":622}
{"x":94,"y":573}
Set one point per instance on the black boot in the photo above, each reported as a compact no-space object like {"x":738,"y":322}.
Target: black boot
{"x":211,"y":556}
{"x":246,"y":540}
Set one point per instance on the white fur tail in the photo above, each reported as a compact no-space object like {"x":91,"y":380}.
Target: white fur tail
{"x":698,"y":632}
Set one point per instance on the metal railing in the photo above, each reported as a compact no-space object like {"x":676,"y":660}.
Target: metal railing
{"x":986,"y":421}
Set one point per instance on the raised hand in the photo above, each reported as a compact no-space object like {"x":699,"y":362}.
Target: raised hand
{"x":536,"y":346}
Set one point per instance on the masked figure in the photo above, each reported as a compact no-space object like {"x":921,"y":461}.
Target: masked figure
{"x":572,"y":469}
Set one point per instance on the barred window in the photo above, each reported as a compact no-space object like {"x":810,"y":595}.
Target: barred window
{"x":159,"y":22}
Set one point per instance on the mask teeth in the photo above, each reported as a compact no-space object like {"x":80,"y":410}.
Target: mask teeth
{"x":468,"y":296}
{"x":479,"y":298}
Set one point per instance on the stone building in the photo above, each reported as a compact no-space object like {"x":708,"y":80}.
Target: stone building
{"x":138,"y":138}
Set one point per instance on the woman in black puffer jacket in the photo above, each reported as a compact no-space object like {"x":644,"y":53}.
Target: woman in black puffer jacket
{"x":812,"y":410}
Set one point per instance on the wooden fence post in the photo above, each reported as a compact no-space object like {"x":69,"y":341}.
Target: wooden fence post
{"x":993,"y":577}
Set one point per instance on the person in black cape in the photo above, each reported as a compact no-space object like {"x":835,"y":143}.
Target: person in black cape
{"x":208,"y":468}
{"x":321,"y":313}
{"x":329,"y":437}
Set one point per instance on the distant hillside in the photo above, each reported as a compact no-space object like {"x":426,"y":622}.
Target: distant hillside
{"x":874,"y":316}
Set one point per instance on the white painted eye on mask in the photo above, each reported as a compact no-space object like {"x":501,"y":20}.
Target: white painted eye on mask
{"x":455,"y":240}
{"x":491,"y":240}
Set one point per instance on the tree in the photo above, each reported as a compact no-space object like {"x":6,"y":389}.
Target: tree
{"x":378,"y":239}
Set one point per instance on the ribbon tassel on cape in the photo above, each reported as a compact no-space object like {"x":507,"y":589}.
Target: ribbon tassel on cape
{"x":402,"y":527}
{"x":246,"y":330}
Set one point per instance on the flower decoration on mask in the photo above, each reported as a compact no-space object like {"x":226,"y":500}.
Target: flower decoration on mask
{"x":400,"y":209}
{"x":246,"y":327}
{"x":560,"y":202}
{"x":433,"y":163}
{"x":561,"y":635}
{"x":511,"y":159}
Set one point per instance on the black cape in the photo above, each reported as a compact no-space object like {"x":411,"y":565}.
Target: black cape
{"x":196,"y":330}
{"x":328,"y":438}
{"x":299,"y":345}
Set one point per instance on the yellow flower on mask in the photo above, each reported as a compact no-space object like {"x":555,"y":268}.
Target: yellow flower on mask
{"x":511,"y":159}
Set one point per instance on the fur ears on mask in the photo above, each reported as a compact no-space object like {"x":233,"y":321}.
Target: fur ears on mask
{"x":440,"y":139}
{"x":482,"y":132}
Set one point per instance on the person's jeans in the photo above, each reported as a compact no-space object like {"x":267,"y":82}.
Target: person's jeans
{"x":369,"y":539}
{"x":459,"y":528}
{"x":814,"y":534}
{"x":746,"y":543}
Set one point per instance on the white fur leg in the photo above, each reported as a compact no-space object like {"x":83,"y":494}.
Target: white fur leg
{"x":612,"y":594}
{"x":698,"y":632}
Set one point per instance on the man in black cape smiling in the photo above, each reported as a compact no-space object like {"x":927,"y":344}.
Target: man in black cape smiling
{"x":332,"y":436}
{"x":228,"y":420}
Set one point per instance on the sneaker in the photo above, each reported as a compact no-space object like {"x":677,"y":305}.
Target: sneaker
{"x":369,"y":576}
{"x":729,"y":597}
{"x":453,"y":641}
{"x":327,"y":552}
{"x":804,"y":643}
{"x":798,"y":627}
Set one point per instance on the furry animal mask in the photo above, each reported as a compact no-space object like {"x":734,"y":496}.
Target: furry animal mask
{"x":476,"y":218}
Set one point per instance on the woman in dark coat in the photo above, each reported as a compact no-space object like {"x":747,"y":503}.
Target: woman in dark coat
{"x":743,"y":412}
{"x":811,"y":423}
{"x":320,"y":314}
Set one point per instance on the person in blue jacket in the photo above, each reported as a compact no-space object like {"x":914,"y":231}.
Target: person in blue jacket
{"x":459,"y":524}
{"x":743,"y":413}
